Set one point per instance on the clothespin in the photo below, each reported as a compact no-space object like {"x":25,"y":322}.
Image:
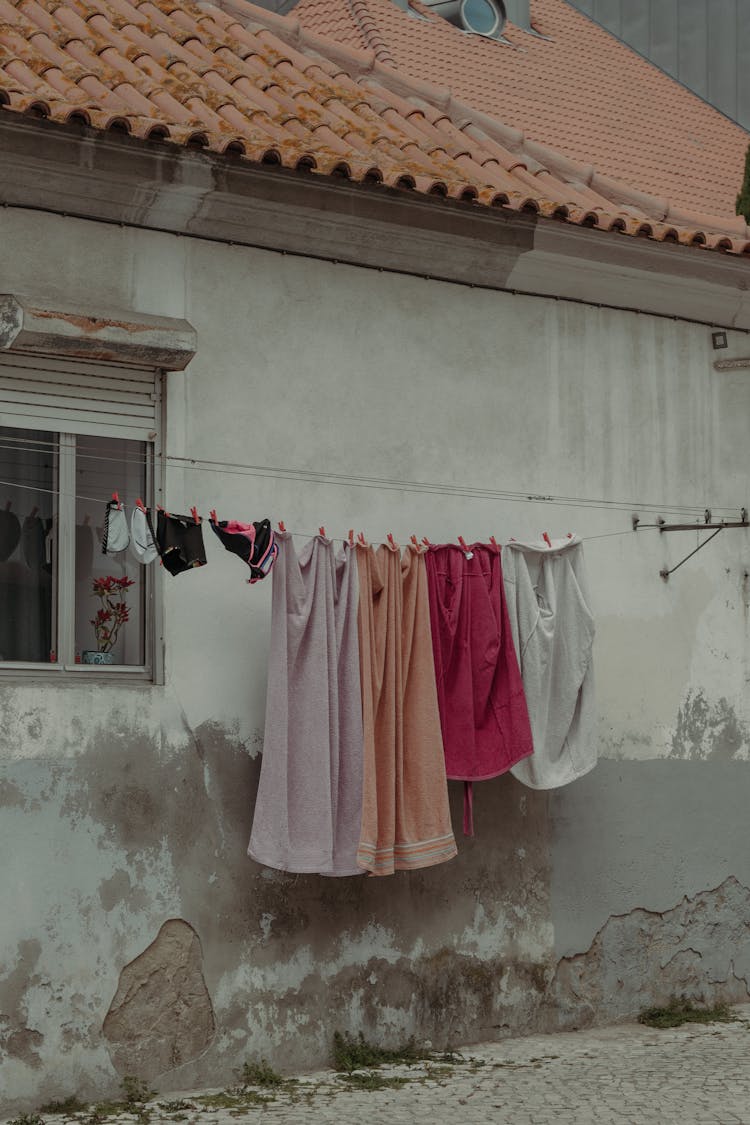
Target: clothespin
{"x":116,"y":499}
{"x":462,"y":543}
{"x":414,"y":540}
{"x":570,"y":535}
{"x":33,"y":512}
{"x":493,"y":541}
{"x":546,"y":538}
{"x":8,"y":505}
{"x":87,"y":519}
{"x":426,"y":541}
{"x":361,"y":539}
{"x":390,"y":539}
{"x":194,"y":514}
{"x":282,"y":525}
{"x":212,"y":516}
{"x":351,"y":536}
{"x":140,"y":505}
{"x":322,"y":531}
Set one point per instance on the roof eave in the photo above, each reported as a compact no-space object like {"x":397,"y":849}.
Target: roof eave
{"x":118,"y":179}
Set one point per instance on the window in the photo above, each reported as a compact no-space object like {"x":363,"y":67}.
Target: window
{"x":70,"y":435}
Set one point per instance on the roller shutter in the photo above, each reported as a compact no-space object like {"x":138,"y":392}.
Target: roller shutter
{"x":80,"y":398}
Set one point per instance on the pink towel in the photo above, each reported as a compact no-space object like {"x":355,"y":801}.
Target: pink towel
{"x":483,"y":712}
{"x":405,"y":815}
{"x":309,"y":805}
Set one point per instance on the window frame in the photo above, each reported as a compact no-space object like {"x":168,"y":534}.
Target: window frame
{"x":65,"y":670}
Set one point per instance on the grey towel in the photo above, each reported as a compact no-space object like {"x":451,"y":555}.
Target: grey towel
{"x":553,"y":631}
{"x":309,"y":806}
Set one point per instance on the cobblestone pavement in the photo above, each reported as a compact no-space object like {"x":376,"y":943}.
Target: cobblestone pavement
{"x":628,"y":1075}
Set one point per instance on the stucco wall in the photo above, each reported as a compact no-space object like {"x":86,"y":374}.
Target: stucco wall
{"x":126,"y":810}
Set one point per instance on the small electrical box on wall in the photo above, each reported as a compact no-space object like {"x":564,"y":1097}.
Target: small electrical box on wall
{"x":719,"y":340}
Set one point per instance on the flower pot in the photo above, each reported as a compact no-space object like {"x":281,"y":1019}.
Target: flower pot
{"x":91,"y":656}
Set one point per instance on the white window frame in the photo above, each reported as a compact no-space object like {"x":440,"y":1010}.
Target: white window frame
{"x":65,"y":669}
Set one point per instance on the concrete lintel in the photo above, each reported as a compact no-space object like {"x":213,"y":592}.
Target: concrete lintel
{"x":134,"y":338}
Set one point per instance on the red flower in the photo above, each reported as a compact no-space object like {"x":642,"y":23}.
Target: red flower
{"x":116,"y":612}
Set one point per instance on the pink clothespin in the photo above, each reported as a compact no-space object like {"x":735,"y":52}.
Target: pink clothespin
{"x":282,"y":525}
{"x":546,"y":538}
{"x":361,"y":539}
{"x":351,"y":536}
{"x":468,"y":553}
{"x":140,"y":505}
{"x":426,"y":541}
{"x":390,"y":539}
{"x":212,"y":516}
{"x":194,"y":514}
{"x":414,"y":540}
{"x":493,"y":541}
{"x":322,"y":531}
{"x":116,"y":499}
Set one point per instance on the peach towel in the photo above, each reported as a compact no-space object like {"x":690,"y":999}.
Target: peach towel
{"x":405,"y":813}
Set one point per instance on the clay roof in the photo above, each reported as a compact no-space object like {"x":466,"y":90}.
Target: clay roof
{"x":236,"y":78}
{"x":567,"y":83}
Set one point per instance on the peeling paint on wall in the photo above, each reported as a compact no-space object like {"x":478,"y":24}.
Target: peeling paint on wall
{"x":161,"y":1015}
{"x":708,"y":729}
{"x":699,"y":949}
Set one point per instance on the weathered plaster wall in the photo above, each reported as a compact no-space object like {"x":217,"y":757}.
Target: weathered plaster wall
{"x":126,"y":811}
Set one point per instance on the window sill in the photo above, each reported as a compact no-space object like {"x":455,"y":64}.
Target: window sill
{"x":75,"y":673}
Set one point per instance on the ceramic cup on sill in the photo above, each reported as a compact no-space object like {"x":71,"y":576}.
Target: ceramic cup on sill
{"x":91,"y":656}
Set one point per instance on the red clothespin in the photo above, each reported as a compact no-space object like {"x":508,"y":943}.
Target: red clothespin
{"x":116,"y":499}
{"x":194,"y":514}
{"x":493,"y":541}
{"x":361,"y":539}
{"x":426,"y":541}
{"x":140,"y":505}
{"x":322,"y":531}
{"x":462,"y":543}
{"x":212,"y":516}
{"x":351,"y":536}
{"x":414,"y":540}
{"x":546,"y":538}
{"x":570,"y":535}
{"x":282,"y":525}
{"x":390,"y":539}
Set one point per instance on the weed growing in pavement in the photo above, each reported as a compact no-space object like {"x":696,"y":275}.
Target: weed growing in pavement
{"x":369,"y":1080}
{"x":66,"y":1106}
{"x":261,"y":1074}
{"x":357,"y":1054}
{"x":679,"y":1011}
{"x":135,"y":1092}
{"x":27,"y":1119}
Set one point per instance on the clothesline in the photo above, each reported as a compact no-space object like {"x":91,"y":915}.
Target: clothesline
{"x":292,"y":531}
{"x":394,"y":484}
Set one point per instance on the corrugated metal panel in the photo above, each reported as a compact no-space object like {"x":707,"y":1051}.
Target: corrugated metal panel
{"x":79,"y":398}
{"x":705,"y":44}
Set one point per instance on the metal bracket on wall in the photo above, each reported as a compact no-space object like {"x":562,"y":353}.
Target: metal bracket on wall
{"x":707,"y":525}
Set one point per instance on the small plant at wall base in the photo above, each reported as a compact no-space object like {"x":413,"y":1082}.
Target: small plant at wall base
{"x":112,"y":614}
{"x":743,"y":199}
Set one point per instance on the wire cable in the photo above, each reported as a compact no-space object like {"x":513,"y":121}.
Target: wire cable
{"x":396,"y":485}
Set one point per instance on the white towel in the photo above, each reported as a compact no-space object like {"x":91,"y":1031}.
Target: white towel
{"x":553,"y":631}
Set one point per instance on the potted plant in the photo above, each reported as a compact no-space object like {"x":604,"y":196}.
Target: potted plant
{"x":112,"y":614}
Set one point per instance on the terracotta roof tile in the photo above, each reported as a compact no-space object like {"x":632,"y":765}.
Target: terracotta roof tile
{"x":235,"y":78}
{"x":579,"y":90}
